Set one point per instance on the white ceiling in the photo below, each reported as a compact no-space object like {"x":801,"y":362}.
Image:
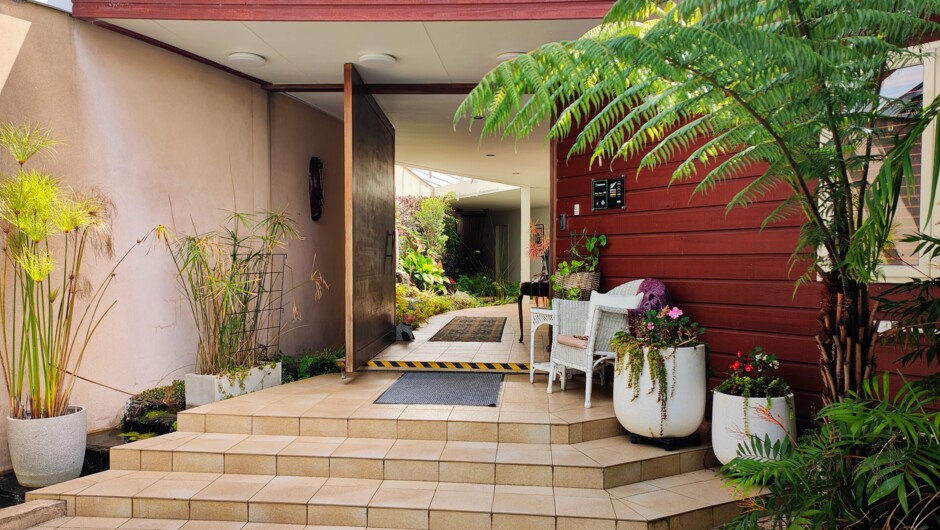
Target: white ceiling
{"x":501,"y":201}
{"x":427,"y":52}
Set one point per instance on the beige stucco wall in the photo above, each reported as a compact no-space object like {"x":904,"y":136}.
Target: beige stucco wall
{"x":155,"y":130}
{"x":297,"y":133}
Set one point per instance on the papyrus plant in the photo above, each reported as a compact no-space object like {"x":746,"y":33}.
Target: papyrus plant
{"x":228,"y":278}
{"x":48,"y":309}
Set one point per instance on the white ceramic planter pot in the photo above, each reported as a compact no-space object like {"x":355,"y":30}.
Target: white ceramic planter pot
{"x":729,"y":427}
{"x":48,"y":450}
{"x":685,"y":406}
{"x":205,"y":389}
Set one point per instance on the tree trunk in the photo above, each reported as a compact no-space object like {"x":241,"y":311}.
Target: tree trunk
{"x":846,"y":337}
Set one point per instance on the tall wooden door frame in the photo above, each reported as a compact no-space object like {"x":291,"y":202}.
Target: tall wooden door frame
{"x":382,"y":318}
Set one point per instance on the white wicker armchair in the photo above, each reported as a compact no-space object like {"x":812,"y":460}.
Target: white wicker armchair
{"x":594,"y":355}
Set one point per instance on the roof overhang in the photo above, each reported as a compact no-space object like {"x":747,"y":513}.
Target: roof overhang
{"x":341,"y":10}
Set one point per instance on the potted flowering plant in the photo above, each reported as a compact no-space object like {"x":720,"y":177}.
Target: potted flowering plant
{"x":659,"y":382}
{"x":751,"y":402}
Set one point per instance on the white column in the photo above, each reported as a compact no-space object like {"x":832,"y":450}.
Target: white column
{"x":525,"y":217}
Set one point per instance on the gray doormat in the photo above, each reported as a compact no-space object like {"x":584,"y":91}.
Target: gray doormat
{"x":444,"y":388}
{"x":472,"y":329}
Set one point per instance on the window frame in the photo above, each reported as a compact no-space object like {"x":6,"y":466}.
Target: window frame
{"x":924,"y":268}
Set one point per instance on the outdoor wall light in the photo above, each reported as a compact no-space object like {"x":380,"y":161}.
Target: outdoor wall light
{"x":246,"y":60}
{"x":377,"y":61}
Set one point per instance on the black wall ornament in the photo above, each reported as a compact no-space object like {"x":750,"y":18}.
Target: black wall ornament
{"x":316,"y":188}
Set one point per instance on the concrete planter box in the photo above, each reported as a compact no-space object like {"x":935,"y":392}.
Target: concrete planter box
{"x":205,"y":389}
{"x":48,"y":450}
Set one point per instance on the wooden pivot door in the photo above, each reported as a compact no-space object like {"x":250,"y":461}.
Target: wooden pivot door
{"x":370,"y":223}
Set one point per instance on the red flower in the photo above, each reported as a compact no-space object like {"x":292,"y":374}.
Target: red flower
{"x":736,"y":365}
{"x":739,"y":354}
{"x":748,"y":368}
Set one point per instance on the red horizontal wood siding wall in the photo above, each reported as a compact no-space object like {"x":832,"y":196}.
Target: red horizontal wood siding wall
{"x":721,"y":268}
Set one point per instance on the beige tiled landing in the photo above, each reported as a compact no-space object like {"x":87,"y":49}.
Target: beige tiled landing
{"x":331,"y":406}
{"x":508,"y":350}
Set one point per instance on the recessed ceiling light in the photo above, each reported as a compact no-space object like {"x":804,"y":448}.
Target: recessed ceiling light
{"x":377,"y":61}
{"x":515,"y":172}
{"x":478,"y":117}
{"x":505,"y":56}
{"x":246,"y":59}
{"x":490,"y":154}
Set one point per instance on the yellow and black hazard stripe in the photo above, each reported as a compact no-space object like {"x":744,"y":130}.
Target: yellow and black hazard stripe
{"x":446,"y":365}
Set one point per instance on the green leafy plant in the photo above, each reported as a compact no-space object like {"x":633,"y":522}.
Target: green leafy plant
{"x":420,"y":305}
{"x":482,"y":285}
{"x":586,"y":260}
{"x":311,"y":364}
{"x":228,"y":279}
{"x":873,"y":462}
{"x":425,"y":224}
{"x":654,"y":340}
{"x":50,"y":309}
{"x":423,"y":271}
{"x":578,"y":261}
{"x":794,"y":88}
{"x":154,"y":409}
{"x":752,"y":375}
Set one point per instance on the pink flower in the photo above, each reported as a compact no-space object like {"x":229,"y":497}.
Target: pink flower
{"x":675,"y":312}
{"x":650,"y":326}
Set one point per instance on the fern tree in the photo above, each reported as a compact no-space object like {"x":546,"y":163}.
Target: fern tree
{"x":790,"y":86}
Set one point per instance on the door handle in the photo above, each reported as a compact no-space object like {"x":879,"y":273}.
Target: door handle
{"x":390,"y":250}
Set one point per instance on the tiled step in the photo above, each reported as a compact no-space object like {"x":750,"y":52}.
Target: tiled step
{"x":124,"y":523}
{"x":598,"y":464}
{"x":328,"y":406}
{"x":689,"y":501}
{"x":427,"y":424}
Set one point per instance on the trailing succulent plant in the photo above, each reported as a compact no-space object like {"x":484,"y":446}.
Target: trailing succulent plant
{"x":653,"y":340}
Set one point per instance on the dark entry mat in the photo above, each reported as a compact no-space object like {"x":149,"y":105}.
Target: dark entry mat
{"x":472,"y":329}
{"x":444,"y":388}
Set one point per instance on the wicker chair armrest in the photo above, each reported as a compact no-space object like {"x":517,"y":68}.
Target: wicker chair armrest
{"x":607,"y":322}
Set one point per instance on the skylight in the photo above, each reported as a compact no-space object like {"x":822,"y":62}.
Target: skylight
{"x":437,"y":179}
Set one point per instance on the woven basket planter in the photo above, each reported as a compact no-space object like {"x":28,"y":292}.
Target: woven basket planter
{"x":586,"y":281}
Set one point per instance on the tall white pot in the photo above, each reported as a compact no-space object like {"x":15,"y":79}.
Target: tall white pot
{"x":730,"y":429}
{"x":48,"y":450}
{"x":685,"y":406}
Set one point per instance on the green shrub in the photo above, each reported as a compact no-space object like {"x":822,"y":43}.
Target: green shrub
{"x":873,"y":462}
{"x":306,"y":364}
{"x":154,"y":409}
{"x":425,"y":304}
{"x":482,"y":285}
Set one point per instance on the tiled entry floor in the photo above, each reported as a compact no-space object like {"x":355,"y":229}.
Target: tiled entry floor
{"x":509,"y":350}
